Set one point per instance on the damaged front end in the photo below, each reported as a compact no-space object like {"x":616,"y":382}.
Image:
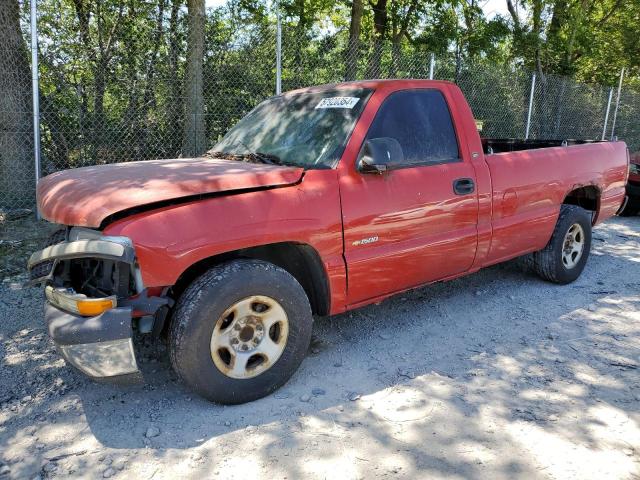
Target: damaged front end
{"x":95,"y":297}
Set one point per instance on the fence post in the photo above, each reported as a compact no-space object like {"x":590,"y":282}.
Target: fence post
{"x":278,"y":51}
{"x":606,"y":115}
{"x":615,"y":111}
{"x":35,"y":93}
{"x":432,"y":66}
{"x":195,"y":152}
{"x":533,"y":88}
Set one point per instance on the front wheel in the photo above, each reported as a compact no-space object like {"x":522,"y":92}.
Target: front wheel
{"x":240,"y":331}
{"x":566,"y":254}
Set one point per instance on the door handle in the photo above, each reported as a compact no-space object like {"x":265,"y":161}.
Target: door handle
{"x":463,"y":186}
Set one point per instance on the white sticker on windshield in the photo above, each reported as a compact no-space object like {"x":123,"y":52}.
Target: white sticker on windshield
{"x":338,"y":102}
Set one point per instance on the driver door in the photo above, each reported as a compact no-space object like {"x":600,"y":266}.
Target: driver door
{"x":412,"y":224}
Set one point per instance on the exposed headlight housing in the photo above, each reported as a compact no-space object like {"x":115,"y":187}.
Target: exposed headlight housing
{"x":78,"y":303}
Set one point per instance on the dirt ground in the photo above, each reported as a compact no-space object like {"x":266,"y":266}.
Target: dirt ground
{"x":18,"y":239}
{"x":496,"y":375}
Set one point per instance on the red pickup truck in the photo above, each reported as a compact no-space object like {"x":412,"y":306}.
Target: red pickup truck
{"x":632,"y":206}
{"x":320,"y":200}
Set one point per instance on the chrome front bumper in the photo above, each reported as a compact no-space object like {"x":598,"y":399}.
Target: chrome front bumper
{"x":82,"y":249}
{"x":100,"y":347}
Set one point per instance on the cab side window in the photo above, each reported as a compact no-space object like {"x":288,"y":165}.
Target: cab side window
{"x":421,"y":122}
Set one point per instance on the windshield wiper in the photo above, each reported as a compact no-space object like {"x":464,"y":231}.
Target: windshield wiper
{"x":249,"y":156}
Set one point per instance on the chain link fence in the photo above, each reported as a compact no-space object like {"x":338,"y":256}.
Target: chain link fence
{"x":113,"y":89}
{"x":17,"y":175}
{"x":628,"y":121}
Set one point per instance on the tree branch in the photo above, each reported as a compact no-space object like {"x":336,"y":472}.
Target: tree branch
{"x":514,"y":14}
{"x":608,"y":15}
{"x":405,"y":22}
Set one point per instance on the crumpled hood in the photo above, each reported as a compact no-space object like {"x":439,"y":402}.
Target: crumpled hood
{"x":86,"y":196}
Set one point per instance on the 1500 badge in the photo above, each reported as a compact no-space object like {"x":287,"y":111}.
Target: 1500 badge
{"x":365,"y":241}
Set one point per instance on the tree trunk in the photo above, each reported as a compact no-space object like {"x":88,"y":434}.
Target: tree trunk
{"x":353,"y":48}
{"x":300,"y":66}
{"x":558,"y":17}
{"x":396,"y":49}
{"x":194,"y":140}
{"x":537,"y":31}
{"x":174,"y":107}
{"x":99,"y":124}
{"x":147,"y":97}
{"x":559,"y":106}
{"x":140,"y":121}
{"x":379,"y":32}
{"x":58,"y":146}
{"x":17,"y":182}
{"x":518,"y":32}
{"x":399,"y":30}
{"x":566,"y":67}
{"x":100,"y":56}
{"x":131,"y":119}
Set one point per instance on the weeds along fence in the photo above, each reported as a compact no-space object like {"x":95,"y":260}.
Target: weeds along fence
{"x":121,"y":93}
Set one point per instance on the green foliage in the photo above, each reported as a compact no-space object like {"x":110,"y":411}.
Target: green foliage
{"x":591,"y":39}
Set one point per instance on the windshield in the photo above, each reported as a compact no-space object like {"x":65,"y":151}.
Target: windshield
{"x":308,"y":129}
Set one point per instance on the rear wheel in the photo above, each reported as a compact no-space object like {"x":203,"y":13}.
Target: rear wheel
{"x":240,"y":331}
{"x":566,"y":254}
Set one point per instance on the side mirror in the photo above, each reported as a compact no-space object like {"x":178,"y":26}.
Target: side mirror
{"x":379,"y":155}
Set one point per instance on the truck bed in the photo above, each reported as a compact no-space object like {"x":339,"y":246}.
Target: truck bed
{"x":499,"y":145}
{"x":528,"y":186}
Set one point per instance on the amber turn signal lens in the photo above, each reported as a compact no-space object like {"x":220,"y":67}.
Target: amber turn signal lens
{"x":72,"y":302}
{"x":93,"y":307}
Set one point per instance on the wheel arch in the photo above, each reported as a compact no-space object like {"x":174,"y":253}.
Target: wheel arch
{"x":587,"y":197}
{"x":301,"y":260}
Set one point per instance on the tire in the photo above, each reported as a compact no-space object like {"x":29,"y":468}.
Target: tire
{"x":631,"y":208}
{"x":549,"y":262}
{"x":525,"y":262}
{"x":199,"y":314}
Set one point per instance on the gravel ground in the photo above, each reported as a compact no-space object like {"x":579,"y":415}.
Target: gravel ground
{"x":19,"y":238}
{"x":496,"y":375}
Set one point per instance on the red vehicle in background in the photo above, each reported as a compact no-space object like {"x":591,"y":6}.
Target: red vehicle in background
{"x":632,"y":207}
{"x":319,"y":201}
